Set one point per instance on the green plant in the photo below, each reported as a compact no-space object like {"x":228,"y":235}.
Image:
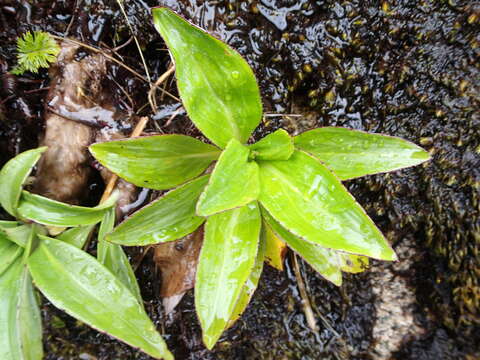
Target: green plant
{"x":102,"y":293}
{"x":35,"y":50}
{"x":282,"y":188}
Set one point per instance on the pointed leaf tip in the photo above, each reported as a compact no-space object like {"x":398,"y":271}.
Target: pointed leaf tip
{"x":216,"y":85}
{"x":351,"y":153}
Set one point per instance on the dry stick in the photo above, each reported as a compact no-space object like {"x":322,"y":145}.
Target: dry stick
{"x":113,"y":179}
{"x":119,"y":2}
{"x":94,"y":49}
{"x":152,"y":93}
{"x":307,"y":307}
{"x":118,"y":62}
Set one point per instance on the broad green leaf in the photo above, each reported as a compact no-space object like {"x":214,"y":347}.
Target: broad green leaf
{"x":76,"y":236}
{"x":168,"y":218}
{"x":275,"y":250}
{"x":20,"y":322}
{"x":9,"y":252}
{"x":8,"y":224}
{"x":19,"y":235}
{"x":227,"y":257}
{"x":353,"y":263}
{"x":275,"y":146}
{"x":13,"y":175}
{"x":217,"y":87}
{"x":50,"y":212}
{"x":324,"y":261}
{"x":234,"y":181}
{"x":311,"y":203}
{"x":114,"y":258}
{"x":350,"y":153}
{"x":77,"y":283}
{"x":158,"y":162}
{"x":251,"y":284}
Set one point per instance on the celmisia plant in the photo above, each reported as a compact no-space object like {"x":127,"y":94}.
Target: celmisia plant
{"x":282,"y":189}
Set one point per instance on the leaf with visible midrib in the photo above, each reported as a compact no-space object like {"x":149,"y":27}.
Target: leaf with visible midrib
{"x":350,"y":153}
{"x":77,"y":283}
{"x":234,"y":181}
{"x":228,"y":253}
{"x":168,"y":218}
{"x":13,"y":175}
{"x":50,"y":212}
{"x":217,"y":87}
{"x":114,"y":258}
{"x":158,"y":162}
{"x":311,"y":203}
{"x":20,"y":321}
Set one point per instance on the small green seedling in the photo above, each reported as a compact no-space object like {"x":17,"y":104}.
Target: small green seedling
{"x":282,"y":187}
{"x":102,"y":293}
{"x":35,"y":50}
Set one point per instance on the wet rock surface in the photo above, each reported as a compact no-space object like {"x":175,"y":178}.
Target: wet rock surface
{"x":403,"y":68}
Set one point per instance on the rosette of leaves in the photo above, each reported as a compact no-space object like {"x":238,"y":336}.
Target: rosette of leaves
{"x":102,"y":293}
{"x":281,"y":189}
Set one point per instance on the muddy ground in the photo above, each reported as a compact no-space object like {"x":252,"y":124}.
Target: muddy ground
{"x":403,"y":68}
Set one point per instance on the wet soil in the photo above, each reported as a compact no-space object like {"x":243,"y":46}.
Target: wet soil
{"x":404,"y":68}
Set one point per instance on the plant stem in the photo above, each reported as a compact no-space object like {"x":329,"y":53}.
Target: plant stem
{"x":307,"y":307}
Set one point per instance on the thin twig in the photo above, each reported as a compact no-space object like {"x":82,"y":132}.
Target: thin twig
{"x":169,"y":121}
{"x":307,"y":307}
{"x":152,"y":93}
{"x":119,"y":2}
{"x":113,"y":179}
{"x":94,"y":49}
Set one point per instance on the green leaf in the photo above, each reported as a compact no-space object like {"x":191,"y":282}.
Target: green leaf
{"x":114,"y":258}
{"x":217,"y":87}
{"x":275,"y":146}
{"x":311,"y":203}
{"x":350,"y":153}
{"x":9,"y":252}
{"x":76,"y":236}
{"x":8,"y":224}
{"x":156,"y":162}
{"x":77,"y":283}
{"x":50,"y":212}
{"x":13,"y":175}
{"x":324,"y":261}
{"x":234,"y":181}
{"x":168,"y":218}
{"x":226,"y":260}
{"x":20,"y":322}
{"x":19,"y":235}
{"x":251,"y":284}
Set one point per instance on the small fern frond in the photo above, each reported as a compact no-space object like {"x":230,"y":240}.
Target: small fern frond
{"x":35,"y":50}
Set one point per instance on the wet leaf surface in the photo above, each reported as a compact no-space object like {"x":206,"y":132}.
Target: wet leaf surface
{"x":320,"y":209}
{"x":234,"y":181}
{"x":156,"y":162}
{"x":350,"y":154}
{"x":229,"y":250}
{"x":168,"y":218}
{"x":13,"y":175}
{"x":20,"y":323}
{"x":50,"y":212}
{"x":275,"y":146}
{"x":76,"y":283}
{"x":220,"y":92}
